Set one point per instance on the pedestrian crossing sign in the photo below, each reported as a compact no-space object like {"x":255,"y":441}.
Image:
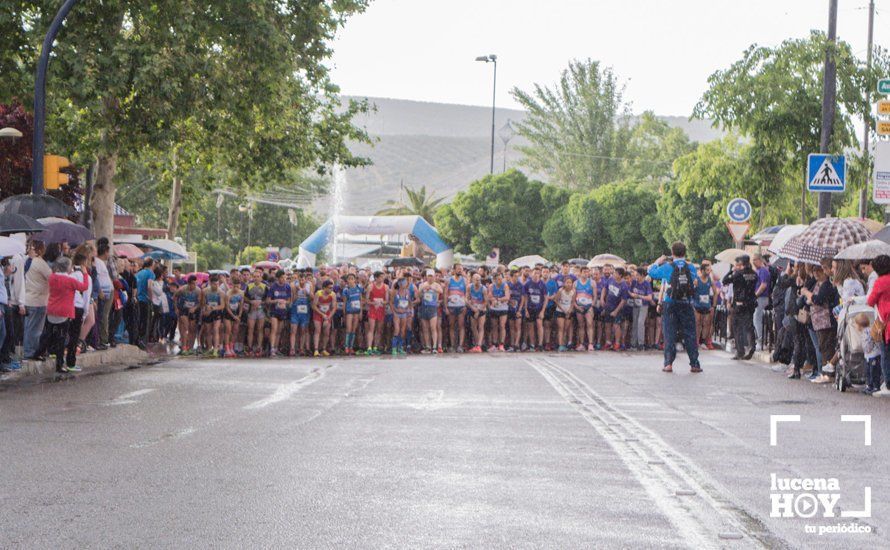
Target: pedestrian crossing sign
{"x":826,"y":173}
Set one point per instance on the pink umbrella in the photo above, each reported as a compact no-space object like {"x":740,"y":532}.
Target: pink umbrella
{"x":201,"y":277}
{"x":126,"y":250}
{"x":266,"y":265}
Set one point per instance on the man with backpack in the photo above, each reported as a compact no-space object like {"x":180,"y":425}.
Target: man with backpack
{"x":678,"y":315}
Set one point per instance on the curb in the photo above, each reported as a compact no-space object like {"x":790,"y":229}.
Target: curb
{"x":121,"y":357}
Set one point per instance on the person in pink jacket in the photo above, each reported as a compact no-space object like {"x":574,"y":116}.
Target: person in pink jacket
{"x":60,"y":311}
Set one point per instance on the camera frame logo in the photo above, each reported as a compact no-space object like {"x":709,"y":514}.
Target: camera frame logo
{"x":807,"y":498}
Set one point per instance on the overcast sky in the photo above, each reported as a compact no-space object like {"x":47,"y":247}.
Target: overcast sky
{"x":664,"y":49}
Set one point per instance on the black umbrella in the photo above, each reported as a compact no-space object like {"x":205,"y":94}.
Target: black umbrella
{"x":71,"y":233}
{"x":17,"y":223}
{"x":36,"y":206}
{"x":404,"y":262}
{"x":579,"y":262}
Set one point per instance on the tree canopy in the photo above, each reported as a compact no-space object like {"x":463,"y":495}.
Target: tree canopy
{"x":505,"y":211}
{"x":578,"y":130}
{"x":244,"y":87}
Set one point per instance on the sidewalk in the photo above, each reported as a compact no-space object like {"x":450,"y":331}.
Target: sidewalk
{"x":122,"y":357}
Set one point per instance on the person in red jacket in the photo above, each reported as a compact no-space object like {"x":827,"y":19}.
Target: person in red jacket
{"x":60,"y":311}
{"x":879,"y":297}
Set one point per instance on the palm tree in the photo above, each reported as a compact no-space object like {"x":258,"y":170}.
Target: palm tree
{"x":419,"y":204}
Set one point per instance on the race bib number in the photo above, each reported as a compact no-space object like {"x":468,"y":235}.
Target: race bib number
{"x":455,"y":300}
{"x":429,"y":296}
{"x":324,"y":308}
{"x":378,"y":302}
{"x":585,"y":300}
{"x":614,"y":290}
{"x":355,"y":305}
{"x":403,"y":303}
{"x":302,"y":308}
{"x":535,"y":299}
{"x":704,"y":299}
{"x":280,"y":304}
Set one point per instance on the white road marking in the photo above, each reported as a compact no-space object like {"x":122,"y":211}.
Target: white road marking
{"x":128,"y":398}
{"x":286,"y":391}
{"x":694,"y":504}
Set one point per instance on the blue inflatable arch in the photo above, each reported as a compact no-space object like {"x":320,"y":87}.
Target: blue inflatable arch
{"x":376,"y":225}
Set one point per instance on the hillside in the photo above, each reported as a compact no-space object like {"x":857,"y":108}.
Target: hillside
{"x":442,"y":146}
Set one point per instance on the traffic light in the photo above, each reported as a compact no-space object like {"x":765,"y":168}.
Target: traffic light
{"x":52,"y":175}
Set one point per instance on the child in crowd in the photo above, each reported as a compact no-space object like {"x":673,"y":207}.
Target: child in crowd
{"x":872,"y":353}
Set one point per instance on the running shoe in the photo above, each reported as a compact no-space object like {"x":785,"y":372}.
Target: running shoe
{"x":580,"y":347}
{"x":589,"y":347}
{"x":325,"y":353}
{"x":316,"y":354}
{"x":75,"y":368}
{"x":439,"y":351}
{"x":561,"y":349}
{"x":501,"y":348}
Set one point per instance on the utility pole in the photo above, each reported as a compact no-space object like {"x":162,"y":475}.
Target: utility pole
{"x":863,"y":193}
{"x":829,"y":92}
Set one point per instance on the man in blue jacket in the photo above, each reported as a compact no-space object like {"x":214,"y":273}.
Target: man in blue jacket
{"x":678,"y":315}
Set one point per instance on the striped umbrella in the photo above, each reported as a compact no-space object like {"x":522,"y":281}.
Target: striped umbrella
{"x":823,"y":239}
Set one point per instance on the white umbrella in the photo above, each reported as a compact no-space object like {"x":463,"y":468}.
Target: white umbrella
{"x":600,"y":260}
{"x":52,"y":219}
{"x":783,"y":236}
{"x":166,"y":245}
{"x":11,"y":247}
{"x":868,"y":250}
{"x":729,"y":255}
{"x":720,"y":269}
{"x":528,"y":261}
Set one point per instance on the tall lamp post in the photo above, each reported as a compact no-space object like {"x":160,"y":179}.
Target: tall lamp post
{"x":492,"y":58}
{"x":506,"y":133}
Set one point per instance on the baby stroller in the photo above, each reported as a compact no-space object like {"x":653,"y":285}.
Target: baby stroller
{"x":852,"y":366}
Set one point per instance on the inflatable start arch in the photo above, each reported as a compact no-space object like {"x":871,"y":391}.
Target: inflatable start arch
{"x":376,"y":225}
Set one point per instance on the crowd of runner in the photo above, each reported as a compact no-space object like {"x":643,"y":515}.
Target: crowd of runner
{"x":410,"y":310}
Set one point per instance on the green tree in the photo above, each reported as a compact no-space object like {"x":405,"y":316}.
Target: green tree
{"x":578,"y":131}
{"x":773,"y":97}
{"x":690,"y":217}
{"x":212,"y":255}
{"x":653,"y":147}
{"x":251,"y":254}
{"x":618,"y":218}
{"x":418,"y":204}
{"x":506,"y":211}
{"x":127,"y":76}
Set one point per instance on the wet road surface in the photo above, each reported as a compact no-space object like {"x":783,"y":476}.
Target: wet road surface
{"x":521,"y":450}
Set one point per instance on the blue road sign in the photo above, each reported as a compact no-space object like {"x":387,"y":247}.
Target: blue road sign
{"x":826,"y":173}
{"x":738,"y":210}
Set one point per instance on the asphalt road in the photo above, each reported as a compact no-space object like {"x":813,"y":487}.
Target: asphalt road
{"x":522,"y":450}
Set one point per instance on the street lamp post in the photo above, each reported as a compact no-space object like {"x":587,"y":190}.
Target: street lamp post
{"x":506,"y":133}
{"x":492,"y":58}
{"x":38,"y":147}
